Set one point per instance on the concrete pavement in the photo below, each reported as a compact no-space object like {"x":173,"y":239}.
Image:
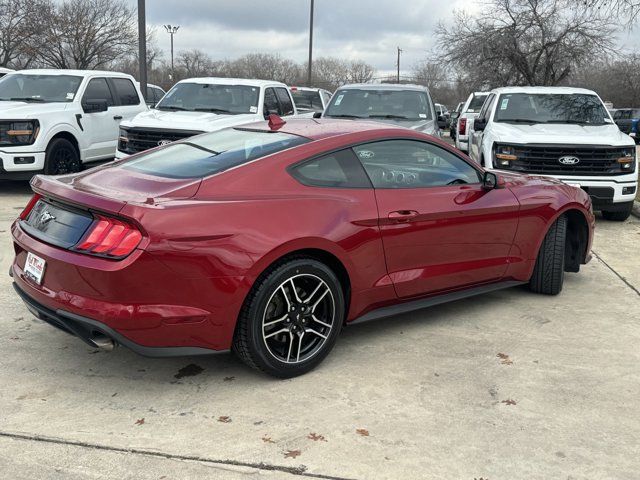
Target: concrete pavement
{"x":510,"y":385}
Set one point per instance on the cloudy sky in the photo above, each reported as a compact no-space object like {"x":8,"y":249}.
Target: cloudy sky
{"x":363,"y":29}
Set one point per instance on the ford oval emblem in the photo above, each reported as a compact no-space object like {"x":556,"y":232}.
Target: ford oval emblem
{"x":568,"y":160}
{"x":162,"y":143}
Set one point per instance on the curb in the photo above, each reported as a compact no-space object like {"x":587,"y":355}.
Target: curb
{"x":636,"y":209}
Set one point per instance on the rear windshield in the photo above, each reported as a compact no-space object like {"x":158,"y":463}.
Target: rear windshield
{"x":476,"y":103}
{"x":212,"y":153}
{"x":307,"y":100}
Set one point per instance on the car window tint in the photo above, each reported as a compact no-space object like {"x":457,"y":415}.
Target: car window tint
{"x":126,"y":91}
{"x":413,"y":164}
{"x":486,"y":107}
{"x":158,"y":94}
{"x":286,"y":105}
{"x":98,"y":89}
{"x":339,"y":169}
{"x":476,"y":103}
{"x":271,"y":102}
{"x":211,"y":153}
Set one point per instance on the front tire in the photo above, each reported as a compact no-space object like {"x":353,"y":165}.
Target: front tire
{"x":548,"y":273}
{"x":619,"y":215}
{"x":61,"y":158}
{"x":291,"y":318}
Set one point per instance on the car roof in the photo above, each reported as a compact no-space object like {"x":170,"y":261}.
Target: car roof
{"x":81,"y":73}
{"x":232,"y":81}
{"x":542,"y":90}
{"x":307,"y":89}
{"x":384,"y":86}
{"x":320,"y":128}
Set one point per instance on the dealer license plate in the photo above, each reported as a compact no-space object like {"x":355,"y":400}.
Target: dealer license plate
{"x":34,"y":268}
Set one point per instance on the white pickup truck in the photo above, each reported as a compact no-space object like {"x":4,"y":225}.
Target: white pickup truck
{"x":561,"y":132}
{"x":199,"y":105}
{"x":468,"y":113}
{"x":53,"y":121}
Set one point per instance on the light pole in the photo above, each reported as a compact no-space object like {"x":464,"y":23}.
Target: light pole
{"x":171,"y":30}
{"x":309,"y":67}
{"x":142,"y":47}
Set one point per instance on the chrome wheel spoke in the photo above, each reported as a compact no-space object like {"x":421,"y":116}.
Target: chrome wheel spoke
{"x":310,"y":330}
{"x":273,"y":322}
{"x":299,"y":346}
{"x":290,"y":345}
{"x":286,"y":297}
{"x":320,"y":321}
{"x":313,"y":307}
{"x":273,"y":334}
{"x":295,"y":291}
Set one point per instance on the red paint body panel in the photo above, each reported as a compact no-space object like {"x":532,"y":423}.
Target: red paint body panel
{"x":206,"y":242}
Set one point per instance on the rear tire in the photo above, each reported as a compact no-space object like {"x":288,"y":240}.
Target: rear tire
{"x":291,"y":319}
{"x":619,"y":216}
{"x":548,"y":273}
{"x":61,"y":158}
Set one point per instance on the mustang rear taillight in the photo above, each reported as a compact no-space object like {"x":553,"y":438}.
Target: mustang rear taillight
{"x":463,"y":127}
{"x":32,"y":203}
{"x":109,"y":237}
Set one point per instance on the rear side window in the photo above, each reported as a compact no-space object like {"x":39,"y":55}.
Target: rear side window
{"x":98,"y":89}
{"x":126,"y":91}
{"x":270,"y":101}
{"x":338,"y":170}
{"x":286,"y":105}
{"x":476,"y":103}
{"x":212,"y":153}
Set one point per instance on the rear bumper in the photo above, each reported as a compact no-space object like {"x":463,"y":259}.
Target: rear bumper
{"x":139,"y":302}
{"x":89,"y":330}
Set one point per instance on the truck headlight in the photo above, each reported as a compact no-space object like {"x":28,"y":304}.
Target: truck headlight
{"x":627,"y":161}
{"x":503,"y":155}
{"x":123,"y":140}
{"x":17,"y":133}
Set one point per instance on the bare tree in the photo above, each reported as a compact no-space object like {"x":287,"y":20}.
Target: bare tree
{"x":360,"y":72}
{"x":524,"y":42}
{"x":88,"y":34}
{"x":21,"y":31}
{"x":615,"y":79}
{"x":194,"y":63}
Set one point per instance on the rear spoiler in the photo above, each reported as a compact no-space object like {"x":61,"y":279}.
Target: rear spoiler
{"x":48,"y":186}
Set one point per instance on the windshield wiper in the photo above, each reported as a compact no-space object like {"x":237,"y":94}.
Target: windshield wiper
{"x":391,"y":117}
{"x":345,"y":115}
{"x":24,"y":99}
{"x":574,"y":122}
{"x":214,"y":110}
{"x":172,"y":107}
{"x":519,"y":120}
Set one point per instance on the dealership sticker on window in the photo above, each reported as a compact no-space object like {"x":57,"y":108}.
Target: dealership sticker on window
{"x":70,"y":96}
{"x":422,"y":115}
{"x":505,"y":104}
{"x":253,"y":109}
{"x":339,"y":99}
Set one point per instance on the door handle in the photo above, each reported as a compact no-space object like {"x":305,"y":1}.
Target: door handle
{"x":403,"y":215}
{"x":117,"y":117}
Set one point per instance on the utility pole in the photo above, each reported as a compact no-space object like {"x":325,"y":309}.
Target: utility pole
{"x":171,"y":30}
{"x":142,"y":47}
{"x":399,"y":52}
{"x":310,"y":65}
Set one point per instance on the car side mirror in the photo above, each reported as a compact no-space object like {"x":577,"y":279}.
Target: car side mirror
{"x":317,"y":115}
{"x":455,"y":115}
{"x":479,"y":124}
{"x":94,"y":105}
{"x":491,"y":181}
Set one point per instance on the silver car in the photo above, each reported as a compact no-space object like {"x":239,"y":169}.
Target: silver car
{"x":409,"y":106}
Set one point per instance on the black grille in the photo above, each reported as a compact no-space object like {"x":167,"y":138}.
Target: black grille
{"x":545,"y":160}
{"x":141,"y":139}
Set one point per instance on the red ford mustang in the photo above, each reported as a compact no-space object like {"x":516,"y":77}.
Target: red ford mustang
{"x":268,"y":239}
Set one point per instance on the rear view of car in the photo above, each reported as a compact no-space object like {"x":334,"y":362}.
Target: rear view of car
{"x":310,"y":101}
{"x":409,"y":106}
{"x":470,"y":110}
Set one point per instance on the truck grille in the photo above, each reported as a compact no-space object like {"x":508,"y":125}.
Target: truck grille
{"x":141,"y":139}
{"x":545,"y":159}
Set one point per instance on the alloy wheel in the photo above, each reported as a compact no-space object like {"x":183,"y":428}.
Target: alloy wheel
{"x":298,"y":318}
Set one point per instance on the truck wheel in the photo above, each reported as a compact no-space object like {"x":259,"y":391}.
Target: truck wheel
{"x":548,"y":273}
{"x":61,"y":158}
{"x":619,"y":215}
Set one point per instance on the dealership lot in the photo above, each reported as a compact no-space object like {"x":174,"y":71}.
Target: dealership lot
{"x":508,"y":385}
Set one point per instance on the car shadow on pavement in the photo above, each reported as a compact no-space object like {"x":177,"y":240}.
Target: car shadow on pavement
{"x":14,"y":187}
